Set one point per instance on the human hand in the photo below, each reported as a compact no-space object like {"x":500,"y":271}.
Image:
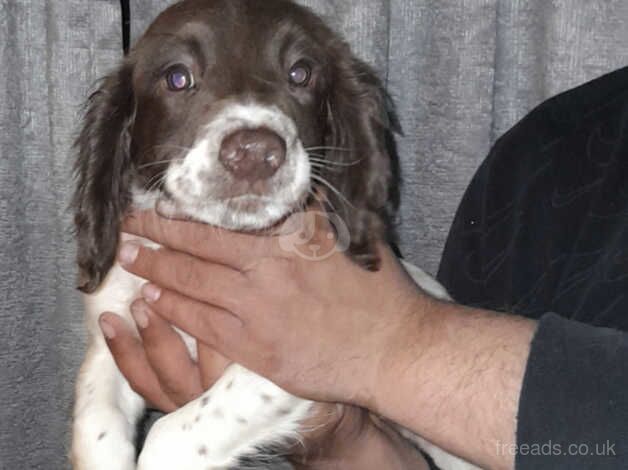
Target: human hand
{"x":157,"y":365}
{"x":322,"y":329}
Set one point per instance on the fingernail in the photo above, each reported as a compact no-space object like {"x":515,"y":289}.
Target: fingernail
{"x":107,"y":329}
{"x":140,"y":317}
{"x":151,"y":293}
{"x":128,"y":253}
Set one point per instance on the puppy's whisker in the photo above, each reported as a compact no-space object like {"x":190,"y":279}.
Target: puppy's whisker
{"x":318,"y":157}
{"x":262,"y":79}
{"x":323,"y":196}
{"x":164,"y":146}
{"x":172,"y":146}
{"x":331,"y":162}
{"x":326,"y":200}
{"x":328,"y":162}
{"x":154,"y":185}
{"x":322,"y":156}
{"x":155,"y":180}
{"x":160,"y":162}
{"x":152,"y":180}
{"x":333,"y":189}
{"x":339,"y":149}
{"x":325,"y":163}
{"x":325,"y":167}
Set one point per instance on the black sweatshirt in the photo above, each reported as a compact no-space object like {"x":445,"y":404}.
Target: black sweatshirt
{"x":542,"y":232}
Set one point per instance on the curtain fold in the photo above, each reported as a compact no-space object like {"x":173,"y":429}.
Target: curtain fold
{"x":461,"y":72}
{"x":51,"y":52}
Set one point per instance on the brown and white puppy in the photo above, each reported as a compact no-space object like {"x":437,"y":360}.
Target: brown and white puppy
{"x":230,"y":109}
{"x":227,"y":111}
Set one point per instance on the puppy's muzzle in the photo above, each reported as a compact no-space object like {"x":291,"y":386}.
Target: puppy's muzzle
{"x":252,"y":154}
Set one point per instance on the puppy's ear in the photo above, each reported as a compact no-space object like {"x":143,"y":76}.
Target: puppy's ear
{"x":363,"y":164}
{"x":102,"y":175}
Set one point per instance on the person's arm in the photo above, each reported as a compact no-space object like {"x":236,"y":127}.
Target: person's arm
{"x":454,"y":376}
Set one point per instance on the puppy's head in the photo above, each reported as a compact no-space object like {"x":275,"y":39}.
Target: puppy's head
{"x":229,"y":111}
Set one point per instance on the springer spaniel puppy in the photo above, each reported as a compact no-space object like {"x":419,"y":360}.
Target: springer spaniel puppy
{"x":227,"y":111}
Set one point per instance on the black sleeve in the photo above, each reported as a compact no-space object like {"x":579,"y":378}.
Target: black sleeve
{"x":573,"y":412}
{"x":543,"y":227}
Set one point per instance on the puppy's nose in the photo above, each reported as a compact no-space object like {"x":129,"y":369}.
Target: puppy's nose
{"x":253,"y":154}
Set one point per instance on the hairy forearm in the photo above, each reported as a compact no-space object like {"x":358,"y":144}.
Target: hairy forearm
{"x":455,"y":379}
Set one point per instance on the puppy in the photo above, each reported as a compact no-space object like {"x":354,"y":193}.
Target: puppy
{"x":227,"y":111}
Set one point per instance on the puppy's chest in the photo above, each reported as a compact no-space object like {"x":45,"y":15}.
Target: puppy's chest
{"x":119,"y":290}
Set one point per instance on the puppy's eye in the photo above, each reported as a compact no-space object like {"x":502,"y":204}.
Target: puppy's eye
{"x":300,"y":74}
{"x":179,"y":78}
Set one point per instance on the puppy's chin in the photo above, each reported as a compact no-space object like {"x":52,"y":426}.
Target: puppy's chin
{"x":243,"y":214}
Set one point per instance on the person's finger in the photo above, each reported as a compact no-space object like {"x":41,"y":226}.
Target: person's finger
{"x":203,"y":241}
{"x":130,"y":357}
{"x":211,"y":363}
{"x":178,"y":374}
{"x":211,"y":283}
{"x":210,"y":324}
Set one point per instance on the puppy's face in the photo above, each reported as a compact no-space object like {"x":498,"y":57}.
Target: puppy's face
{"x":230,"y":96}
{"x":228,"y":111}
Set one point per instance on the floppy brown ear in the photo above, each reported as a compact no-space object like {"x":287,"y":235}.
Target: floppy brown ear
{"x":362,"y":123}
{"x":102,"y":191}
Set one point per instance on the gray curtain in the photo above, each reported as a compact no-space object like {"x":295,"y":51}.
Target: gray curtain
{"x":462,"y":72}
